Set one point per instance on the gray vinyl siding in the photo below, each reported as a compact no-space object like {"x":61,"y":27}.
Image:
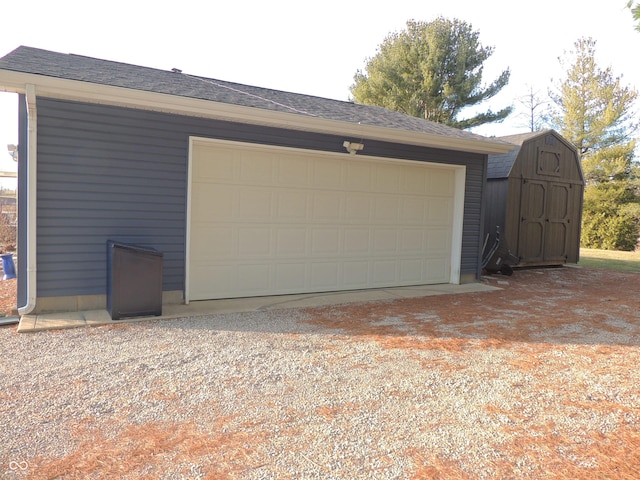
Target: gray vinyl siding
{"x":111,"y":173}
{"x":106,"y":174}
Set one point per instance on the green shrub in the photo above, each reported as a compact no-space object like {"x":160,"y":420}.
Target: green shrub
{"x":609,"y":230}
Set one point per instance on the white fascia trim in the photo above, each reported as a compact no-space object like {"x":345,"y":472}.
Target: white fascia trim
{"x":125,"y":97}
{"x":187,"y":255}
{"x":458,"y":224}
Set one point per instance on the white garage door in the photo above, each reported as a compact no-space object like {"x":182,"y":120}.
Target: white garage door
{"x":270,"y":220}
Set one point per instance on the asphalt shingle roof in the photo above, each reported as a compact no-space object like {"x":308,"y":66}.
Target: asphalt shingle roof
{"x":104,"y":72}
{"x":499,"y":166}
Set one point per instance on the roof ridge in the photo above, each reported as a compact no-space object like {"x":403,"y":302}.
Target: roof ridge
{"x":217,"y":84}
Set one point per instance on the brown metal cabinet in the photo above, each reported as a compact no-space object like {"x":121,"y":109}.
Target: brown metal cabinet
{"x":534,"y":194}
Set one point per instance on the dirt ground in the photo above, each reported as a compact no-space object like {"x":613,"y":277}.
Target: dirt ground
{"x":8,"y":297}
{"x":580,"y":292}
{"x":530,"y":303}
{"x":536,"y":380}
{"x":591,"y":316}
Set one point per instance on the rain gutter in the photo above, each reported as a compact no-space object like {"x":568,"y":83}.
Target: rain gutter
{"x":32,"y":150}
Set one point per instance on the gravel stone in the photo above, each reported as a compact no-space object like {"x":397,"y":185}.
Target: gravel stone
{"x":459,"y":387}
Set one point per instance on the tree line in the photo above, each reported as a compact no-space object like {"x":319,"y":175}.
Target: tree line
{"x":433,"y":70}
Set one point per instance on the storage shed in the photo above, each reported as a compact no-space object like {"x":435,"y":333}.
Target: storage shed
{"x":534,"y":194}
{"x":246,"y":191}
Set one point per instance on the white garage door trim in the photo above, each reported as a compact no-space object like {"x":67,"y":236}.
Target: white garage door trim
{"x":457,"y":201}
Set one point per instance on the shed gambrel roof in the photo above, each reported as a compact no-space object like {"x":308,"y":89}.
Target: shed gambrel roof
{"x":28,"y":61}
{"x":499,"y":165}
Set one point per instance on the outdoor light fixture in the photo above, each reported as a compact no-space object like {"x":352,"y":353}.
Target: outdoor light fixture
{"x":352,"y":147}
{"x":13,"y":151}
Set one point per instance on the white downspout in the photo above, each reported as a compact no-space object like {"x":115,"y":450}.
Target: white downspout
{"x":32,"y":150}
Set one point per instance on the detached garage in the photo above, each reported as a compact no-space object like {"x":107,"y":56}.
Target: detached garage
{"x":246,"y":191}
{"x":534,"y":194}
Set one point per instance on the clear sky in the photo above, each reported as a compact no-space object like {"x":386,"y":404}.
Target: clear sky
{"x":315,"y":47}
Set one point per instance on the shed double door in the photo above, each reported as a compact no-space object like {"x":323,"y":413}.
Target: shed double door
{"x":545,"y":230}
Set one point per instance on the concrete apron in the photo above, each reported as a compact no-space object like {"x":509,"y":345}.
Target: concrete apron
{"x":51,"y":321}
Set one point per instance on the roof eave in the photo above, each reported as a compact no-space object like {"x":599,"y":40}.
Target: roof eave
{"x":59,"y":88}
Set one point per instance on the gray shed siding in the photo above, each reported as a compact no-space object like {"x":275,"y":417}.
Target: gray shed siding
{"x":117,"y":173}
{"x":496,"y":203}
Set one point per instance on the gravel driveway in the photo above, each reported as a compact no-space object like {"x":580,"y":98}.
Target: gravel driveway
{"x":538,"y":380}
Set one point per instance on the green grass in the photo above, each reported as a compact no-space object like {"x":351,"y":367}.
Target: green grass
{"x":610,"y":259}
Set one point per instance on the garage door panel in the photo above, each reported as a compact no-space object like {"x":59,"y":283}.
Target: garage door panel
{"x":267,"y":221}
{"x":440,"y":182}
{"x":440,"y":211}
{"x":324,"y":275}
{"x":219,"y":165}
{"x":253,"y":279}
{"x":356,"y":241}
{"x":435,"y":268}
{"x":326,"y":207}
{"x":204,"y":279}
{"x":385,"y":240}
{"x":254,"y":204}
{"x":414,"y":181}
{"x":291,"y":241}
{"x":288,"y":276}
{"x":438,"y":241}
{"x":412,"y":240}
{"x":254,"y":242}
{"x":218,"y":202}
{"x":411,"y":270}
{"x":255,"y":170}
{"x":413,"y":210}
{"x":358,"y":208}
{"x":385,"y":272}
{"x":328,"y":174}
{"x":213,"y":242}
{"x":387,"y":179}
{"x":291,"y":206}
{"x":386,"y":209}
{"x":293,"y":171}
{"x":325,"y":241}
{"x":356,"y":274}
{"x":359,"y":177}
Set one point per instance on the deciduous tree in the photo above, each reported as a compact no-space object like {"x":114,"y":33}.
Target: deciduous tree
{"x":533,"y":102}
